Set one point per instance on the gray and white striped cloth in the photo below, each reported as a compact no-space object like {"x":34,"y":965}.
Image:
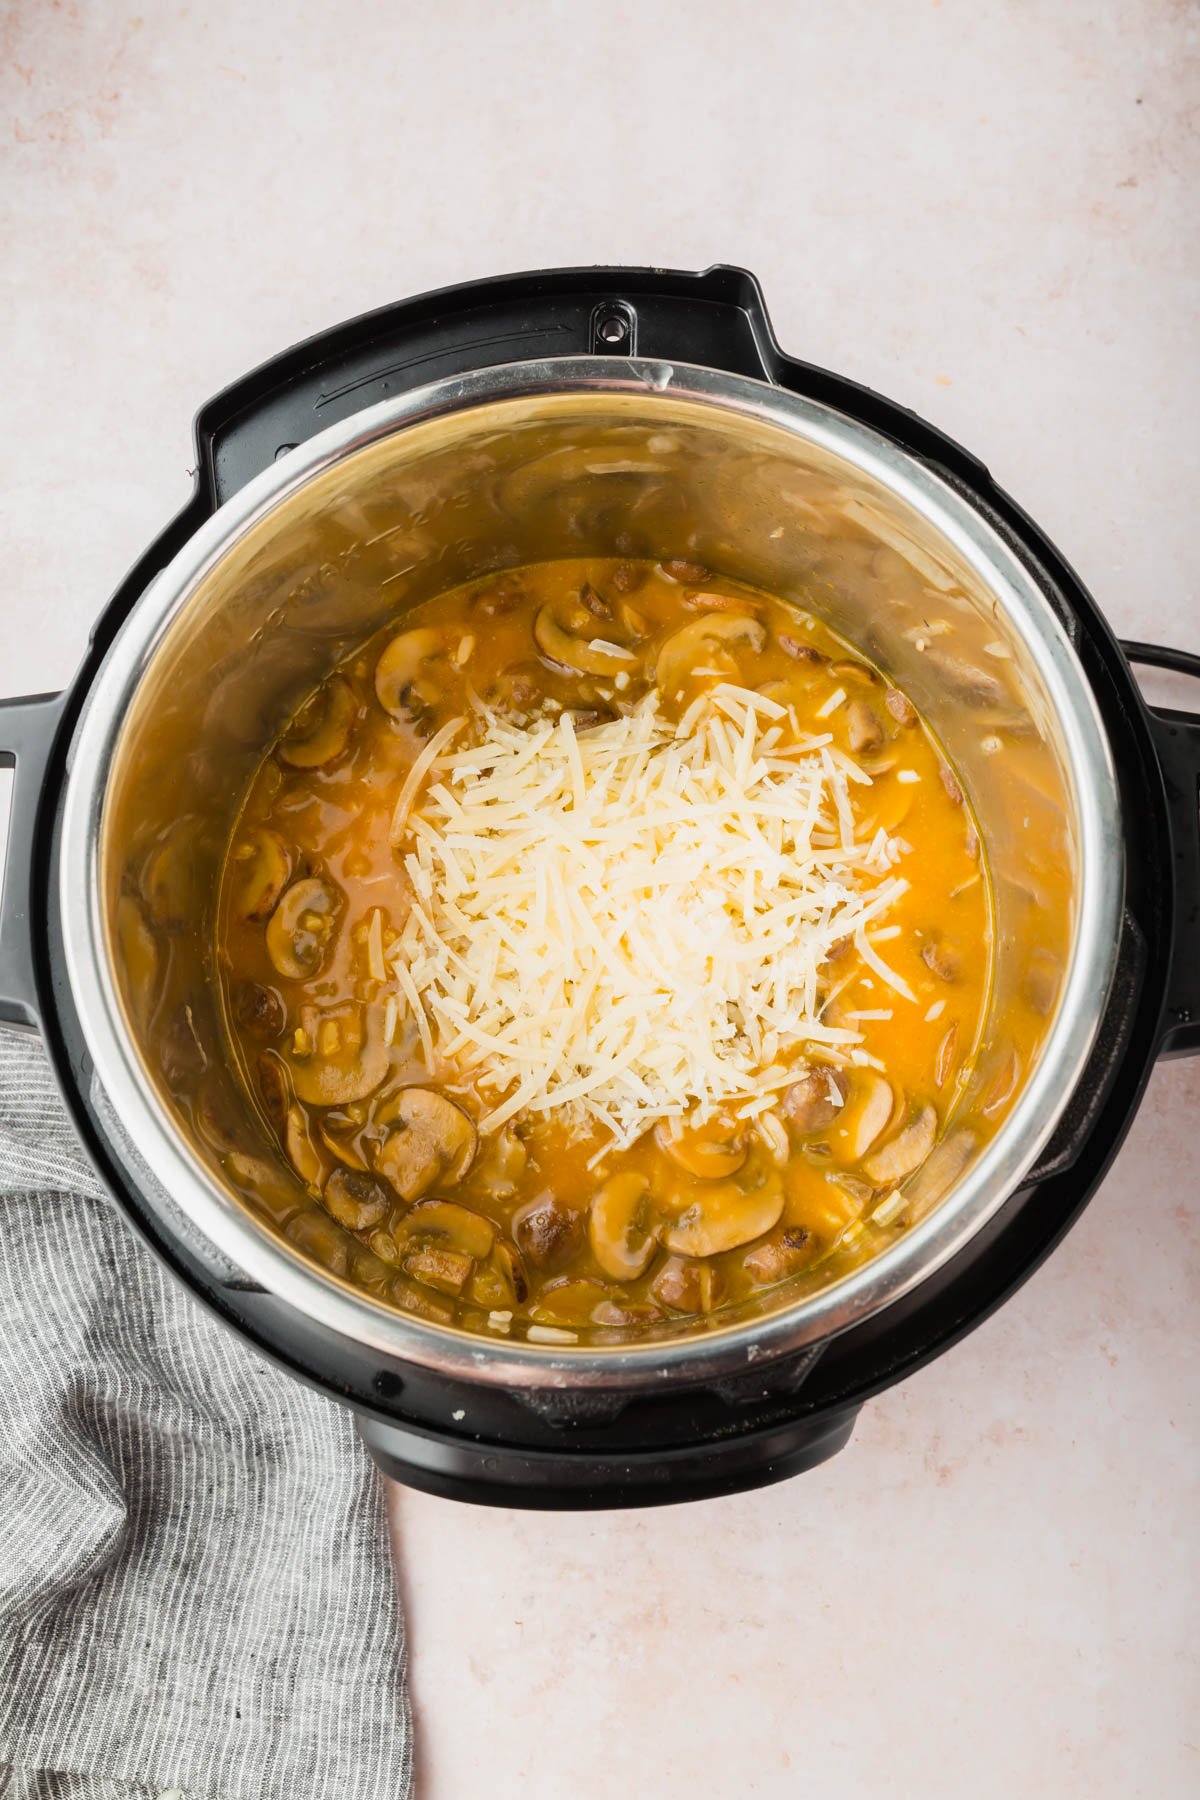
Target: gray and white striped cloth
{"x":196,"y":1590}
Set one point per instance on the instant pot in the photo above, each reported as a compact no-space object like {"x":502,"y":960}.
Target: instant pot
{"x":637,"y":412}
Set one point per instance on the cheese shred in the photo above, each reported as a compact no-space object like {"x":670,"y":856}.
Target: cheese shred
{"x":629,"y":922}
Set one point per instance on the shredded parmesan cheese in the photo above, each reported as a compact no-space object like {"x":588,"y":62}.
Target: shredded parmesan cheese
{"x":375,"y":962}
{"x":629,"y":922}
{"x":417,"y":774}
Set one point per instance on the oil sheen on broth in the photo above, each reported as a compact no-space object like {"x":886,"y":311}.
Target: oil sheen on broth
{"x":605,"y":944}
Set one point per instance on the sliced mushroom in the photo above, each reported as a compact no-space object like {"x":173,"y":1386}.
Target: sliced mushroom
{"x":405,"y":685}
{"x":507,"y":1258}
{"x":168,"y":880}
{"x":711,"y":1151}
{"x":417,"y":1300}
{"x":337,"y":1056}
{"x":273,"y":1089}
{"x":1003,"y":1084}
{"x":814,"y":1101}
{"x":944,"y":1061}
{"x":570,"y":1302}
{"x":180,"y":1051}
{"x":492,"y":1285}
{"x":587,"y":718}
{"x":429,"y":1139}
{"x":937,"y":1175}
{"x":368,"y":1270}
{"x":355,"y":1199}
{"x":216,"y":1118}
{"x":724,"y":1216}
{"x":261,"y":866}
{"x":138,"y":951}
{"x":950,"y":782}
{"x":547,"y":1231}
{"x":582,"y":649}
{"x":696,"y":644}
{"x":324,"y":1240}
{"x":966,"y":682}
{"x":270,"y":1185}
{"x":799,"y":651}
{"x":634,"y":624}
{"x":258,"y":1011}
{"x":457,"y":1225}
{"x":905,"y":1152}
{"x":1043,"y":980}
{"x":864,"y":733}
{"x":385,"y":1247}
{"x":900,"y":707}
{"x":516,"y":688}
{"x":688,"y":1287}
{"x":617,"y":1313}
{"x":438,"y":1266}
{"x":679,"y":568}
{"x":595,"y":603}
{"x":336,"y":1133}
{"x":300,"y":930}
{"x":628,"y":577}
{"x":941,"y":959}
{"x":784,"y":1253}
{"x":301,"y":1152}
{"x":501,"y":595}
{"x":872,"y":1109}
{"x":620,"y":1241}
{"x":321,"y":729}
{"x":847,"y":669}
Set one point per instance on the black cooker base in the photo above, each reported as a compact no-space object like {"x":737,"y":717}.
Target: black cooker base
{"x":565,"y":1481}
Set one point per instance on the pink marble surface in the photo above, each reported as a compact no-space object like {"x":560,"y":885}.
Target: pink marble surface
{"x":986,"y":210}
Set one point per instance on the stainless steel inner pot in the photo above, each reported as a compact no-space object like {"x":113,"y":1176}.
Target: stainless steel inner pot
{"x":571,"y":457}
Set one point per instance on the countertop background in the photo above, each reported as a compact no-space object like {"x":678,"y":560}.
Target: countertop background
{"x":985,"y":210}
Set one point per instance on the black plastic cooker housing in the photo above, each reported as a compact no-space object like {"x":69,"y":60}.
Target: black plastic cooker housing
{"x":578,"y":1450}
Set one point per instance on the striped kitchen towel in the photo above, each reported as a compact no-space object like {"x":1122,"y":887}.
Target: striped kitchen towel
{"x":196,"y":1591}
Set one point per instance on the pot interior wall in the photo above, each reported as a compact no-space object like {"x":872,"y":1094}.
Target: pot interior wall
{"x":423,"y":508}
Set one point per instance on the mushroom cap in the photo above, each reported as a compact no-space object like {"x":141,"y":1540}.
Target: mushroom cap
{"x":428,"y":1139}
{"x":621,"y":1241}
{"x":321,"y":729}
{"x":586,"y":651}
{"x":350,"y":1070}
{"x":711,"y":1151}
{"x":696,"y":642}
{"x":301,"y":928}
{"x":401,"y":670}
{"x":722,"y":1216}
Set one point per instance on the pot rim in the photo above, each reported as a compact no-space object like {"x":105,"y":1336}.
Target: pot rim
{"x":923,"y":1249}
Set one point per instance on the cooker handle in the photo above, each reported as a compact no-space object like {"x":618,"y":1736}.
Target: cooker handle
{"x":28,"y":727}
{"x":716,"y":317}
{"x":1177,"y":745}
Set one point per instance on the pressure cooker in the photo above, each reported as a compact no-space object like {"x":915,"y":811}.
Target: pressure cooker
{"x":592,"y":412}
